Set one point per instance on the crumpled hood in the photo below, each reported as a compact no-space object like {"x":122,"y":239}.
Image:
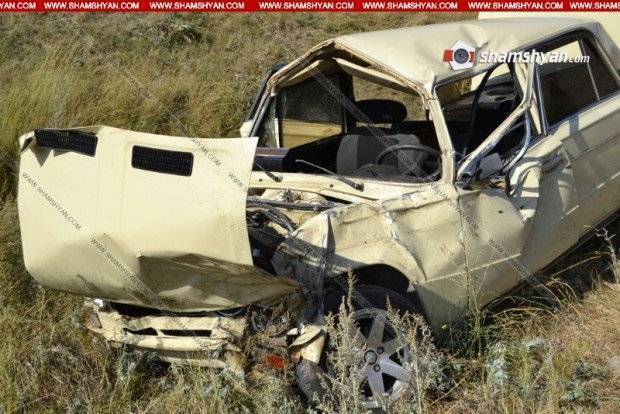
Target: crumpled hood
{"x":140,"y":218}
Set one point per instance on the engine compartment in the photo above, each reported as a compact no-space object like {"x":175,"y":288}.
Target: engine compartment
{"x":268,"y":225}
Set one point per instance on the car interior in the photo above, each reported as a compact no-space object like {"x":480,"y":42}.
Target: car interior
{"x":488,"y":99}
{"x":360,"y":126}
{"x":374,"y":129}
{"x":338,"y":116}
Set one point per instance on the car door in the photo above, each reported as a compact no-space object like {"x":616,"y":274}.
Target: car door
{"x":513,"y":227}
{"x":582,"y":109}
{"x":565,"y":182}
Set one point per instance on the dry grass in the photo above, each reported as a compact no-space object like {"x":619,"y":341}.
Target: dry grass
{"x":181,"y":74}
{"x":551,"y":360}
{"x":194,"y":74}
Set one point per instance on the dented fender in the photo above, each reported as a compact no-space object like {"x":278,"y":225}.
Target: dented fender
{"x":329,"y":244}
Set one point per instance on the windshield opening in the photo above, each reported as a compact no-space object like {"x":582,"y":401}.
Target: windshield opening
{"x":352,"y":121}
{"x":474,"y":107}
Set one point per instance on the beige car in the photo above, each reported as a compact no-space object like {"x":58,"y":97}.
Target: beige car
{"x":441,"y":181}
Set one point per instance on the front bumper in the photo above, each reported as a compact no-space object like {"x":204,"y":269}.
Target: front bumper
{"x":209,"y":339}
{"x":196,"y":340}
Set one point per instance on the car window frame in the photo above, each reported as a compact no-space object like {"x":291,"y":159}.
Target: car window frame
{"x":578,"y":36}
{"x":550,"y":43}
{"x":254,"y":104}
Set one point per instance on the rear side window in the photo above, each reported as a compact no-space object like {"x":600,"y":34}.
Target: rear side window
{"x":571,"y":85}
{"x":310,"y":112}
{"x":311,"y":102}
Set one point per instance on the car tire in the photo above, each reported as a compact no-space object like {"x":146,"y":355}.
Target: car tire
{"x":310,"y":376}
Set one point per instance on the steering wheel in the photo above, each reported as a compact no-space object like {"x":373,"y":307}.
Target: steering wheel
{"x":412,"y":166}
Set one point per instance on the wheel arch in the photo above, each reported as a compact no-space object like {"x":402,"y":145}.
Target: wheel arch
{"x":385,"y":276}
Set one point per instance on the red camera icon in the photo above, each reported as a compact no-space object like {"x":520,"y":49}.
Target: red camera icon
{"x":460,"y":56}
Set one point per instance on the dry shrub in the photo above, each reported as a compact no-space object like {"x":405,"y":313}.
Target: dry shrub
{"x":430,"y":369}
{"x":344,"y":360}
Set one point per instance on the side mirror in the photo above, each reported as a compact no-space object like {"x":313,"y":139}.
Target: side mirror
{"x":486,"y":174}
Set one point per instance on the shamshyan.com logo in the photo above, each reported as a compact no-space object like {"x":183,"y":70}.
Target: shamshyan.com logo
{"x":464,"y":56}
{"x":460,"y":56}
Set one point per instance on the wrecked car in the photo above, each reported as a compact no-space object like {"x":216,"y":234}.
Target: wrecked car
{"x":441,"y":184}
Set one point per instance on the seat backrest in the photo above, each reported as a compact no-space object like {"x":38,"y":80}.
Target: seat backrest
{"x":361,"y":147}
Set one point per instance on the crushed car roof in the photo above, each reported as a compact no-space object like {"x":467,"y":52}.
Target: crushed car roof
{"x":417,"y":52}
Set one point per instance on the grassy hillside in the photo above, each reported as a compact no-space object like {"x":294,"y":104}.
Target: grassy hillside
{"x":194,"y":75}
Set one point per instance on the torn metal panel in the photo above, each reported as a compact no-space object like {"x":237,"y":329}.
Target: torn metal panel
{"x":406,"y":234}
{"x":160,"y":332}
{"x":309,"y":343}
{"x":198,"y":283}
{"x":414,"y":53}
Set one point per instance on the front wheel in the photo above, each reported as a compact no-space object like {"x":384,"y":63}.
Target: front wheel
{"x":384,"y":360}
